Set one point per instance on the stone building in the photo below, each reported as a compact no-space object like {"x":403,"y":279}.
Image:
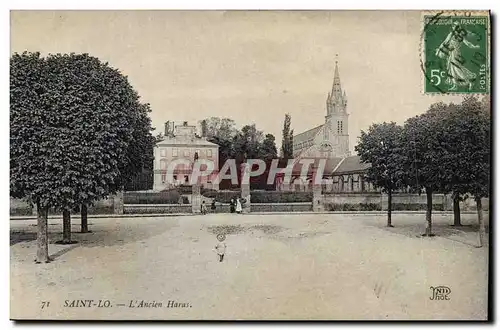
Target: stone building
{"x":183,"y":142}
{"x":330,"y":139}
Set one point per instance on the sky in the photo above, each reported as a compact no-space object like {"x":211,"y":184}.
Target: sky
{"x":251,"y":66}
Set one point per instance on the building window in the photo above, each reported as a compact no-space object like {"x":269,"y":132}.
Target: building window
{"x":341,"y":127}
{"x":209,"y":152}
{"x":164,"y":177}
{"x":163,"y":152}
{"x":186,"y":152}
{"x":175,"y":152}
{"x":163,"y":164}
{"x":338,"y":127}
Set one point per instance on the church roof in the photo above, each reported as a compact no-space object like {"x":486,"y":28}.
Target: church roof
{"x":352,"y":164}
{"x":330,"y":165}
{"x":307,"y":135}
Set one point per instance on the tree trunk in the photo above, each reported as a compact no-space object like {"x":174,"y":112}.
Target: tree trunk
{"x":428,"y":214}
{"x":84,"y":223}
{"x":389,"y":209}
{"x":456,"y":210}
{"x":482,"y":230}
{"x":66,"y":227}
{"x":42,"y":240}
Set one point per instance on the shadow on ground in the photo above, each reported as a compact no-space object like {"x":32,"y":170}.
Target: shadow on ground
{"x":239,"y":229}
{"x":441,"y":228}
{"x":117,"y":234}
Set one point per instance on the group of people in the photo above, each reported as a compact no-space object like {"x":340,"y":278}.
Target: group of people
{"x":234,"y":206}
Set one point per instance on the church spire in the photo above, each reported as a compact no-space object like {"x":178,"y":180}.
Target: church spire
{"x":337,"y":100}
{"x":336,"y":88}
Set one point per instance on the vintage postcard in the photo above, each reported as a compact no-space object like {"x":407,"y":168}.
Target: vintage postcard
{"x":250,"y":165}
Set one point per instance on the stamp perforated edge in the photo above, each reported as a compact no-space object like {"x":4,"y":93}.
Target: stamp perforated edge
{"x":421,"y":48}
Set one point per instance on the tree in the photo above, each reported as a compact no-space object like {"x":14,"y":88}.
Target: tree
{"x":72,"y":120}
{"x":268,"y":149}
{"x":139,"y":154}
{"x":287,"y":141}
{"x":27,"y":138}
{"x":473,"y":116}
{"x":451,"y":124}
{"x":381,"y":147}
{"x":220,"y":128}
{"x":423,"y":145}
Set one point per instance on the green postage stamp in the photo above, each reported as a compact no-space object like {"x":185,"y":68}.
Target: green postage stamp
{"x":456,"y":52}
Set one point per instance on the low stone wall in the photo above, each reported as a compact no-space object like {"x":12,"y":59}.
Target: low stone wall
{"x":367,"y":201}
{"x":156,"y":208}
{"x":111,"y":205}
{"x":281,"y":207}
{"x":20,"y":207}
{"x":377,"y":201}
{"x":470,"y":204}
{"x":352,"y":198}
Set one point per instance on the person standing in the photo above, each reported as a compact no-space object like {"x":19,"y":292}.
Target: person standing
{"x":239,"y":209}
{"x":220,"y":247}
{"x":232,"y":205}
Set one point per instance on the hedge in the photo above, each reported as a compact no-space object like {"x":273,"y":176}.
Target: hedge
{"x":281,"y":196}
{"x":221,"y":196}
{"x":415,"y":207}
{"x":354,"y":207}
{"x":378,"y":207}
{"x":163,"y":197}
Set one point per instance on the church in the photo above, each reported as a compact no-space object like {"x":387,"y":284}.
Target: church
{"x":343,"y":172}
{"x":330,"y":139}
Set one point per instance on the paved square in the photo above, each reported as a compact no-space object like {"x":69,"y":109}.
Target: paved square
{"x":326,"y":266}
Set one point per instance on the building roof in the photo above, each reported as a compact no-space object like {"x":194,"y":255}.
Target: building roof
{"x":352,"y":164}
{"x":182,"y":141}
{"x":330,"y":165}
{"x":307,"y":135}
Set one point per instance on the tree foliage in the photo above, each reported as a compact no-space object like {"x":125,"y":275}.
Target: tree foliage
{"x":78,"y":130}
{"x":287,"y":139}
{"x":381,"y":147}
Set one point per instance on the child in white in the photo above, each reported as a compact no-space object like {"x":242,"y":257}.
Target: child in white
{"x":220,"y":247}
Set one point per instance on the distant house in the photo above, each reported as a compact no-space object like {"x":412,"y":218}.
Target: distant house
{"x":182,"y":142}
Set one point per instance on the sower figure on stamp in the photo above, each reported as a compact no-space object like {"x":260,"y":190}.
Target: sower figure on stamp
{"x":449,"y":50}
{"x":220,"y":247}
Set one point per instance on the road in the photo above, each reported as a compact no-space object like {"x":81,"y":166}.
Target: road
{"x":322,"y":267}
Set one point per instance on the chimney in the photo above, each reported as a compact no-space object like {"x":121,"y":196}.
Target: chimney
{"x":166,"y":128}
